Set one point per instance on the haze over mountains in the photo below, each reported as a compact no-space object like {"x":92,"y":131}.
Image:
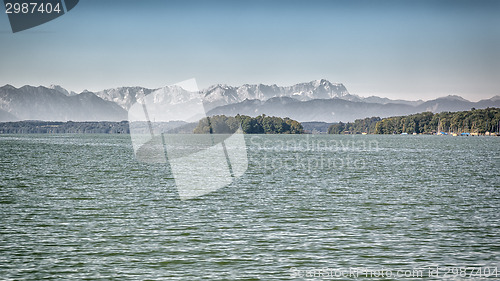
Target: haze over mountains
{"x":318,"y":100}
{"x":338,"y":109}
{"x":50,"y":104}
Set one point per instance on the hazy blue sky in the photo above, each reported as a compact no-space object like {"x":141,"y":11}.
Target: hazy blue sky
{"x":396,"y":49}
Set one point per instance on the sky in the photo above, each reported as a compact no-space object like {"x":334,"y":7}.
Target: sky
{"x":397,"y":49}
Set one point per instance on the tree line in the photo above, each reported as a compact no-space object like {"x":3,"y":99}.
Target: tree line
{"x":359,"y":126}
{"x":473,"y":121}
{"x":221,"y":124}
{"x":44,"y":127}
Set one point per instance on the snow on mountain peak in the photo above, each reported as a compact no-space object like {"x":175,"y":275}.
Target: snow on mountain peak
{"x":317,"y":89}
{"x":222,"y":94}
{"x":61,"y":90}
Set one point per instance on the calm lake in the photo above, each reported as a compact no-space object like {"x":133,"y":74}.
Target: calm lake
{"x":82,"y":207}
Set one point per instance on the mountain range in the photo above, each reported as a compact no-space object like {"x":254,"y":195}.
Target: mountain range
{"x":338,"y":109}
{"x":50,"y":104}
{"x":318,"y":100}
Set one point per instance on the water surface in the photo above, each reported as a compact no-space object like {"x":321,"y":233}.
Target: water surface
{"x":82,"y":207}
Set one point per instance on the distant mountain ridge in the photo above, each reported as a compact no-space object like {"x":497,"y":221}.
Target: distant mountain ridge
{"x":123,"y":96}
{"x":41,"y":103}
{"x":337,"y":109}
{"x":318,"y":100}
{"x":221,"y":94}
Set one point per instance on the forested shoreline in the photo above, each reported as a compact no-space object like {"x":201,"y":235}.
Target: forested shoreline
{"x":474,"y":121}
{"x":69,"y":127}
{"x":218,"y":124}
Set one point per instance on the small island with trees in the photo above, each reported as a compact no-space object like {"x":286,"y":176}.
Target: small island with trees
{"x":262,"y":124}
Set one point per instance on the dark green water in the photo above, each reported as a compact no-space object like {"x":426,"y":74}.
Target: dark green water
{"x":82,"y":207}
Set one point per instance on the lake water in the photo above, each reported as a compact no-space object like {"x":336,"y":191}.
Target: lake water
{"x":82,"y":207}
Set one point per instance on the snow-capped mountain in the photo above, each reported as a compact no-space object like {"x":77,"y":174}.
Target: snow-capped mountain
{"x":219,"y":95}
{"x":317,"y":100}
{"x":124,"y":96}
{"x":62,"y":90}
{"x":174,"y":95}
{"x":222,"y":94}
